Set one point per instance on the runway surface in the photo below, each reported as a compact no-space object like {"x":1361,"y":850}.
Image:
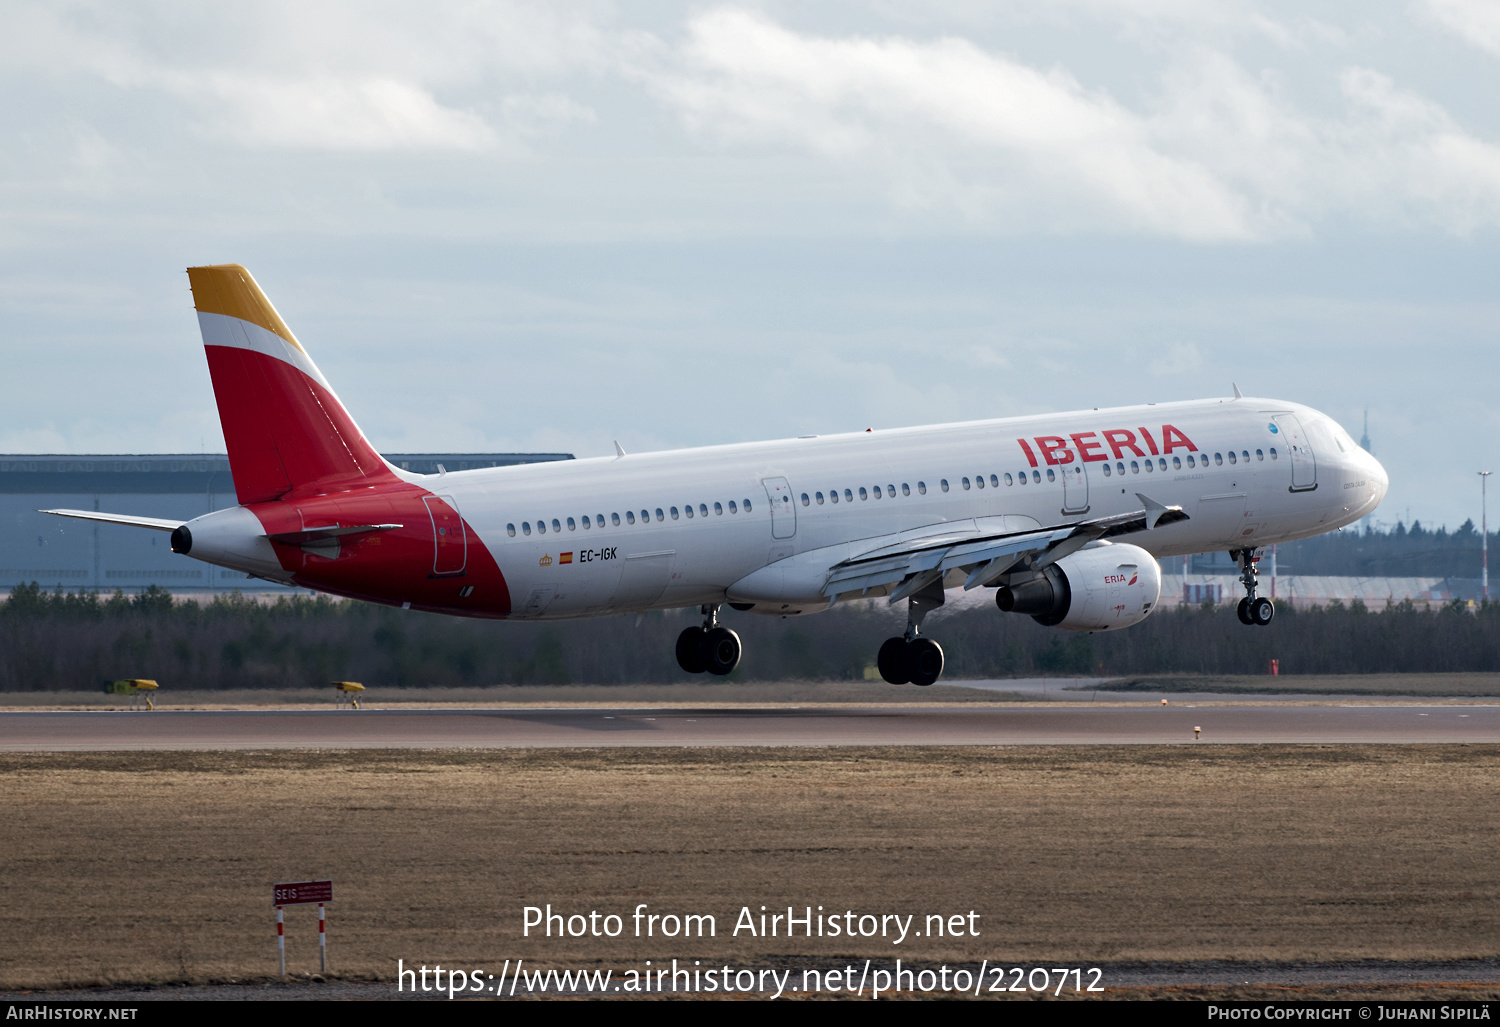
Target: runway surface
{"x":858,"y":725}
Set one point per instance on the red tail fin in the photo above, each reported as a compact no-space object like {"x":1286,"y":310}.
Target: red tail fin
{"x":285,"y":429}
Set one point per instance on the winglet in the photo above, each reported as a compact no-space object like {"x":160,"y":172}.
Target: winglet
{"x":619,"y":449}
{"x":1154,"y":510}
{"x":1237,"y":393}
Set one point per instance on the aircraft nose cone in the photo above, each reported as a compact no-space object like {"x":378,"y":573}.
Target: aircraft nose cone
{"x":1379,"y":479}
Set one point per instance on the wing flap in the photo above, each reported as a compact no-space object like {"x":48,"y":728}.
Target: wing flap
{"x":910,"y":565}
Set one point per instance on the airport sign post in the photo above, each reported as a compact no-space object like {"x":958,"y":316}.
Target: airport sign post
{"x":297,"y":893}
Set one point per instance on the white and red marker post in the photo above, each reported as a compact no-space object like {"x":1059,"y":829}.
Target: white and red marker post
{"x":296,"y":893}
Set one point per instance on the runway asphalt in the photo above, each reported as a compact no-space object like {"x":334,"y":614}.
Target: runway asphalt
{"x":856,"y":725}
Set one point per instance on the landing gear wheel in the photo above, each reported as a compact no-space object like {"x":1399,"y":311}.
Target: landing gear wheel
{"x":892,"y":661}
{"x":690,"y":651}
{"x":1244,"y":611}
{"x":720,"y":651}
{"x":924,"y":661}
{"x":1261,"y":611}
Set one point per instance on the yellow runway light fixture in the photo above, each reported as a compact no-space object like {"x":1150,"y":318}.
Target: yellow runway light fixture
{"x":136,"y":688}
{"x":347,"y":691}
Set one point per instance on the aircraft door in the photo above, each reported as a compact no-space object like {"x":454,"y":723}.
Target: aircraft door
{"x":450,"y":544}
{"x":783,"y":510}
{"x":1299,"y":449}
{"x":1075,"y":478}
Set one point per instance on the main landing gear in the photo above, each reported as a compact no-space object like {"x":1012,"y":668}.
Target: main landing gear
{"x":907,"y":658}
{"x":709,"y":648}
{"x":1252,"y":610}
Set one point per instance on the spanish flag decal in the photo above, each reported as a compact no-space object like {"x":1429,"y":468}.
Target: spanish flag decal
{"x":565,"y":558}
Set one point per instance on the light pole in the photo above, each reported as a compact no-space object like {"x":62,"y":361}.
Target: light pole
{"x":1484,"y":537}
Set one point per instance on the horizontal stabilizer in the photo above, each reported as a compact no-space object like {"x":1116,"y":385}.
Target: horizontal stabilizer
{"x":297,"y":538}
{"x":154,"y":523}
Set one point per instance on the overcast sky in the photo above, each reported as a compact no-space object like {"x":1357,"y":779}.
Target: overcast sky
{"x":504,"y":226}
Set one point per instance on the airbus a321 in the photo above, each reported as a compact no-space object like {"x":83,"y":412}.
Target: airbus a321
{"x":1063,"y":515}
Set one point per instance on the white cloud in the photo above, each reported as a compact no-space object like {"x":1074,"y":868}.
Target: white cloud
{"x":1476,"y":21}
{"x":1002,"y":134}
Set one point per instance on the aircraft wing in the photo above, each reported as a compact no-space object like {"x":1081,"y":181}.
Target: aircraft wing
{"x":914,"y":564}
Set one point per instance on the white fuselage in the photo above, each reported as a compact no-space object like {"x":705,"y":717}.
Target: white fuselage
{"x":1248,"y":472}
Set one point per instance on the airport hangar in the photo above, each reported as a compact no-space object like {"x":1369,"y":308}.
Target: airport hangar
{"x":83,"y":557}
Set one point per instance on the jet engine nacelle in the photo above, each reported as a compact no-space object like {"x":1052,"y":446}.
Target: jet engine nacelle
{"x":1103,"y":586}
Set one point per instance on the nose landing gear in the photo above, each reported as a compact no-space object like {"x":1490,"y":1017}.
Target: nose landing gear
{"x":908,"y":658}
{"x":1252,"y":610}
{"x":711,"y":647}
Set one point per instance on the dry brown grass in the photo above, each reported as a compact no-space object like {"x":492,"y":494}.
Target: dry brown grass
{"x":157,"y":866}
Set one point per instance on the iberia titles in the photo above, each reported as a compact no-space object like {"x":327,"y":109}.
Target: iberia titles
{"x":1091,"y":445}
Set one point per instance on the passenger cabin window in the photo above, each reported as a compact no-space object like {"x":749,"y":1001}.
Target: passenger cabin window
{"x":1149,"y":467}
{"x":615,"y":519}
{"x":659,"y":515}
{"x":1036,"y":477}
{"x":862,"y":493}
{"x":979,"y":480}
{"x":510,"y":529}
{"x":943,"y":484}
{"x":674,"y":514}
{"x":1260,"y":454}
{"x":1009,"y":480}
{"x":1231,"y":457}
{"x":1245,"y":455}
{"x":688,"y":509}
{"x":1023,"y":477}
{"x":1051,"y":474}
{"x":819,"y":496}
{"x":630,"y":516}
{"x":848,"y":496}
{"x":905,"y":489}
{"x":645,"y":516}
{"x":994,"y":481}
{"x":966,"y":484}
{"x":541,"y":527}
{"x":922,"y":488}
{"x":586,"y":524}
{"x":1272,"y":451}
{"x":746,"y":504}
{"x":703,"y":509}
{"x":733,"y":508}
{"x":1177,"y":463}
{"x":555,"y":525}
{"x":525,"y":527}
{"x":1135,"y":467}
{"x":890,"y":491}
{"x":1106,"y":471}
{"x":805,"y":500}
{"x":719,"y":509}
{"x":1219,"y":458}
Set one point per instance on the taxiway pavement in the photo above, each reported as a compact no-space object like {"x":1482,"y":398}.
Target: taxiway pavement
{"x":1375,"y":722}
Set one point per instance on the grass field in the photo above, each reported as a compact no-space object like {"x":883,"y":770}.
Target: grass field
{"x":154,"y":867}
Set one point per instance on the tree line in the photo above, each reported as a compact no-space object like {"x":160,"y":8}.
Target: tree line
{"x":1401,"y":552}
{"x":72,"y":641}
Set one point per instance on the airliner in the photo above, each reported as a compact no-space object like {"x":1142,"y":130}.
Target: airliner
{"x":1063,"y":515}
